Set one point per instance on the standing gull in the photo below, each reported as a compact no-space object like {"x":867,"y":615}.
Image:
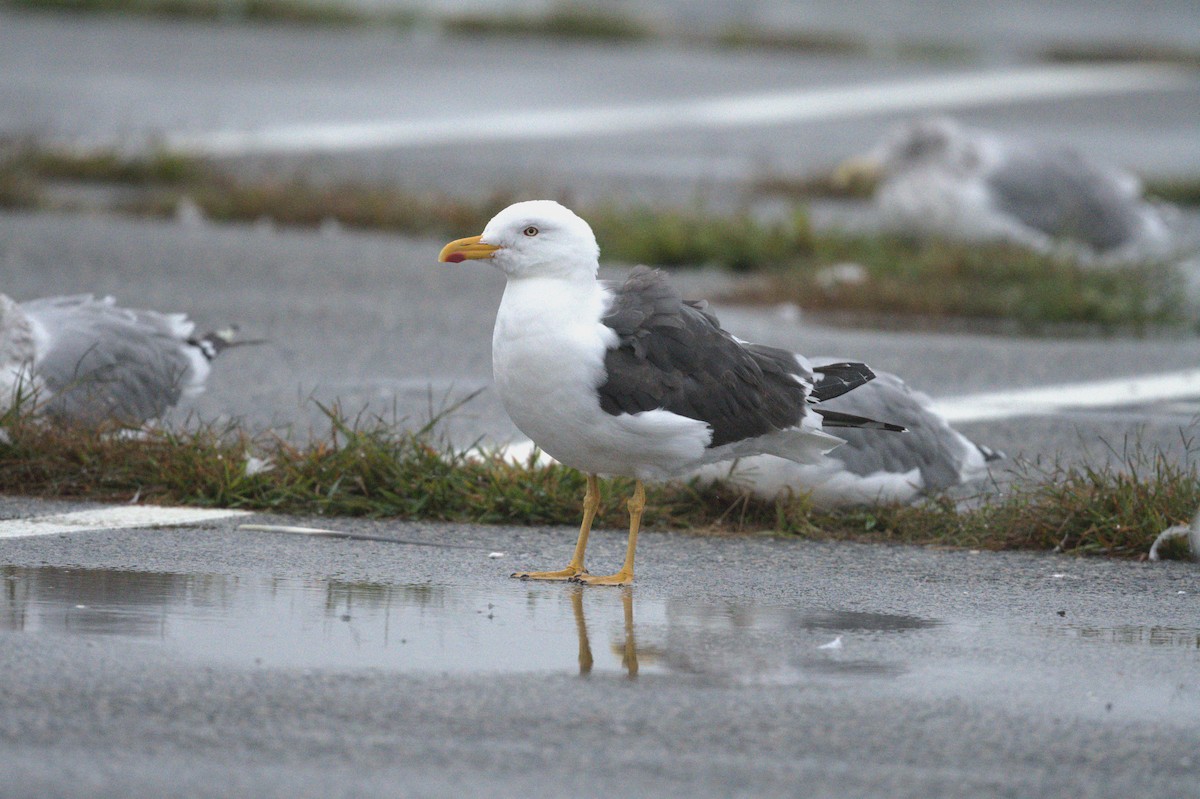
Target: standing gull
{"x":631,"y":379}
{"x":867,"y":469}
{"x":87,"y":360}
{"x":935,"y":176}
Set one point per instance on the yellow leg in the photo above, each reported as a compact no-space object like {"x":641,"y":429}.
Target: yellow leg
{"x":637,"y":503}
{"x":591,"y":504}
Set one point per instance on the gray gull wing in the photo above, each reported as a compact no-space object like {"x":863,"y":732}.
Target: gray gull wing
{"x":1058,"y":192}
{"x":673,"y":354}
{"x":944,"y":457}
{"x":869,"y":468}
{"x":101,"y":361}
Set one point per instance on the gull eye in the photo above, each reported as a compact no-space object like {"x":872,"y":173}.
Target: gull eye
{"x":530,"y":231}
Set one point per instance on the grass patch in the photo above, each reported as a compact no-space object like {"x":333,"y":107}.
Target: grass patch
{"x":564,"y":20}
{"x":373,"y":469}
{"x":19,"y":191}
{"x":682,"y":238}
{"x":1120,"y":52}
{"x":285,"y":11}
{"x":817,"y":42}
{"x":938,"y":278}
{"x":668,"y":238}
{"x":934,"y":51}
{"x":561,"y":22}
{"x":817,"y":186}
{"x":301,"y":203}
{"x":1181,"y":190}
{"x":896,"y":278}
{"x":160,"y":168}
{"x":829,"y":43}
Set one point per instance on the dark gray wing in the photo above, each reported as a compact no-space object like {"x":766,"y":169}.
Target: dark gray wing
{"x":1060,"y":193}
{"x":930,"y":444}
{"x":835,"y":379}
{"x":673,"y":355}
{"x":105,"y":362}
{"x":840,"y":419}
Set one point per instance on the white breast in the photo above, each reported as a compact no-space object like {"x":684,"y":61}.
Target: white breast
{"x":548,"y":358}
{"x":548,"y":351}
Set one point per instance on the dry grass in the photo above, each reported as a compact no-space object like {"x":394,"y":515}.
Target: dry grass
{"x":275,"y":11}
{"x":899,"y":278}
{"x":1180,"y":190}
{"x":366,"y":467}
{"x":943,"y":279}
{"x":565,"y":21}
{"x":1120,"y":52}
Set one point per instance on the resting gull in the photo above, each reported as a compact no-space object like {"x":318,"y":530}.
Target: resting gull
{"x":868,"y":469}
{"x":1189,"y":531}
{"x":632,"y":380}
{"x":86,"y":360}
{"x":935,"y":176}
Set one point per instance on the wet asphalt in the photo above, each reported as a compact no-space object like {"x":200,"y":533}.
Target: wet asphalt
{"x":129,"y":83}
{"x":958,"y":674}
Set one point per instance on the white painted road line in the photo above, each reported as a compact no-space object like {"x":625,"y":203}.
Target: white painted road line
{"x":117,"y":518}
{"x":769,"y":108}
{"x":1048,"y":400}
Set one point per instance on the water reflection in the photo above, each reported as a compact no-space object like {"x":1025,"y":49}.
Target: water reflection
{"x":1130,"y":634}
{"x":762,"y":631}
{"x":623,"y":645}
{"x":511,"y":627}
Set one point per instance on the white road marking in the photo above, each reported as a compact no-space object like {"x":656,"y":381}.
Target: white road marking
{"x":117,"y":518}
{"x":287,"y":528}
{"x":767,"y":108}
{"x":1049,"y":400}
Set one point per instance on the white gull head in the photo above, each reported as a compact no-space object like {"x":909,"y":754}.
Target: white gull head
{"x":937,"y":141}
{"x":536,"y":238}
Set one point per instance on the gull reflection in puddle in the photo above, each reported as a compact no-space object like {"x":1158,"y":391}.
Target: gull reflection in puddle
{"x":625,"y":648}
{"x":426,"y":628}
{"x":1152,"y":635}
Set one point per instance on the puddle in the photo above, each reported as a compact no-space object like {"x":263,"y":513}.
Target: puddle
{"x":1130,"y":635}
{"x":511,"y":628}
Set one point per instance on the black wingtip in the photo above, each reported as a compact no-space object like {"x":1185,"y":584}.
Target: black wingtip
{"x":831,"y":418}
{"x":838,"y":378}
{"x":989,"y":454}
{"x":212,"y":343}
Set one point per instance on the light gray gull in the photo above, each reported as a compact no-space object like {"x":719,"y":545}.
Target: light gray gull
{"x":935,"y":176}
{"x":632,"y":380}
{"x":931,"y":457}
{"x":84,"y":359}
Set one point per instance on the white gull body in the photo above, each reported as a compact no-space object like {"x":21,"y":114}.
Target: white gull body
{"x":548,"y":358}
